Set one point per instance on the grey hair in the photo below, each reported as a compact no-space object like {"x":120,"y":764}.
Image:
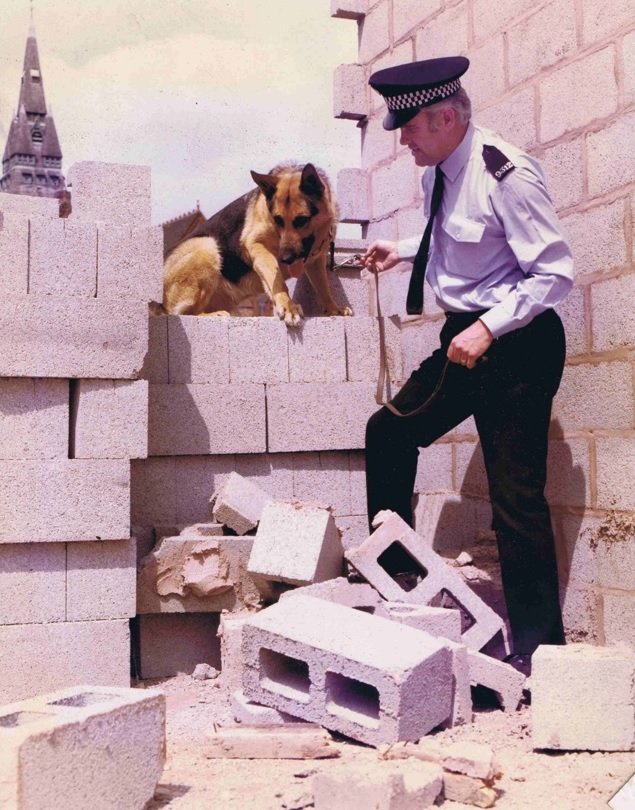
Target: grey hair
{"x":459,"y":102}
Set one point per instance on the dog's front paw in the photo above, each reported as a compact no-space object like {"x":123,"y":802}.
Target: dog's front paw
{"x":335,"y":310}
{"x":290,"y":312}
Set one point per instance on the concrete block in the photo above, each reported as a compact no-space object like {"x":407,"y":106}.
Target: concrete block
{"x":130,"y":262}
{"x":193,"y":574}
{"x":14,"y":252}
{"x":598,"y":678}
{"x":248,"y":361}
{"x":64,"y":500}
{"x":377,"y":143}
{"x":111,"y":419}
{"x":488,"y":19}
{"x":357,"y":595}
{"x":62,"y":258}
{"x":101,"y":580}
{"x":461,"y":714}
{"x":348,"y":288}
{"x":397,"y":562}
{"x":144,"y":538}
{"x":34,"y":421}
{"x":82,"y":747}
{"x":436,"y":621}
{"x":230,"y":633}
{"x":514,"y":118}
{"x":487,"y":83}
{"x":301,"y":741}
{"x":468,"y":790}
{"x":568,"y":472}
{"x":323,"y":477}
{"x":362,"y":349}
{"x":591,"y":80}
{"x":471,"y":477}
{"x":615,"y":481}
{"x":598,"y":25}
{"x":408,"y":14}
{"x":628,"y":53}
{"x":317,"y":351}
{"x":541,"y":40}
{"x":32,"y":583}
{"x":608,"y":152}
{"x":506,"y":682}
{"x":155,"y":366}
{"x":199,"y":419}
{"x":471,"y":759}
{"x":445,"y":33}
{"x":304,"y":416}
{"x":36,"y":206}
{"x":252,"y":714}
{"x":563,"y":166}
{"x":296,"y":543}
{"x":435,"y":467}
{"x":572,"y":314}
{"x":357,"y":467}
{"x":612,"y":317}
{"x":374,"y":36}
{"x":618,"y":617}
{"x":393,"y":186}
{"x":117,"y":193}
{"x":353,"y":195}
{"x":419,"y":340}
{"x":349,"y":9}
{"x":582,"y":616}
{"x":350,"y":99}
{"x":605,"y":219}
{"x":195,"y":477}
{"x":310,"y":658}
{"x":595,"y":397}
{"x":397,"y":785}
{"x":47,"y":336}
{"x":238,"y":503}
{"x":451,"y":523}
{"x":272,"y":472}
{"x":176,"y":642}
{"x":57,"y":655}
{"x":198,"y":349}
{"x":153,"y":496}
{"x":353,"y":529}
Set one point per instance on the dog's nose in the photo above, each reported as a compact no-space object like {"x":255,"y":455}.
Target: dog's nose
{"x":288,"y":257}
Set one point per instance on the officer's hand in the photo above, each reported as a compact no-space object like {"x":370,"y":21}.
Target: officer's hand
{"x":470,"y":344}
{"x":382,"y":254}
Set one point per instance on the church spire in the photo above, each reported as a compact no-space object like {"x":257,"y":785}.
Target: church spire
{"x":32,"y":161}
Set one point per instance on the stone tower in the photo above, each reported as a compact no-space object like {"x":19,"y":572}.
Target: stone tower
{"x":32,"y":160}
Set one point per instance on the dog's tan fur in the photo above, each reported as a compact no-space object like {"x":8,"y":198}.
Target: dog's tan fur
{"x":291,"y":204}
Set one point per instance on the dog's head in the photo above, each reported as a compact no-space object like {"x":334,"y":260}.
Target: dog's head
{"x":299,"y":209}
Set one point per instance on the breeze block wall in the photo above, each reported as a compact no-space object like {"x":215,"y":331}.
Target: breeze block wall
{"x":556,"y":78}
{"x":73,"y":412}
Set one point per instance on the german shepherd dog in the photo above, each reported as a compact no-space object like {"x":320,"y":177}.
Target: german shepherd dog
{"x":277,"y":231}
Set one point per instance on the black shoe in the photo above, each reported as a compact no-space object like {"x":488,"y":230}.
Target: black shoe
{"x":520,"y":662}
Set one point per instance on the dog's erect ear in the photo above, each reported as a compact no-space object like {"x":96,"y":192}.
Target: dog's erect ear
{"x":267,"y":183}
{"x":310,"y":184}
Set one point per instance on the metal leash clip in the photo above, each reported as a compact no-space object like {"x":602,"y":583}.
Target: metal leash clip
{"x":352,"y":260}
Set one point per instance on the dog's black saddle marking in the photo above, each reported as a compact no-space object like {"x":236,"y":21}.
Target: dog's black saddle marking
{"x":226,"y":226}
{"x":496,"y":162}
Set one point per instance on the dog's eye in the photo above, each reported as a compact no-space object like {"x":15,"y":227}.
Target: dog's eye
{"x":300,"y":222}
{"x":279,"y":221}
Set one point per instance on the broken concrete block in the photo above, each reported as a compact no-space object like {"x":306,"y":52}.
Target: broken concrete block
{"x":506,"y":682}
{"x":296,"y":543}
{"x":50,"y":336}
{"x":461,"y":688}
{"x":297,"y":741}
{"x":443,"y":622}
{"x":397,"y":562}
{"x":58,"y":500}
{"x":194,"y":573}
{"x":253,"y":714}
{"x":358,"y":595}
{"x":238,"y":503}
{"x":311,"y":658}
{"x":34,"y":420}
{"x":174,"y":643}
{"x":201,"y":530}
{"x":82,"y":747}
{"x":45,"y":657}
{"x":471,"y":759}
{"x":394,"y":785}
{"x":230,"y":632}
{"x":600,"y":679}
{"x":468,"y":790}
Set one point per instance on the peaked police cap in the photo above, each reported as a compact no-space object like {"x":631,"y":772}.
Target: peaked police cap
{"x":408,"y":88}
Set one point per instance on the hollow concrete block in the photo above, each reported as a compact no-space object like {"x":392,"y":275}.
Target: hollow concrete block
{"x":506,"y":682}
{"x":82,"y":747}
{"x":311,"y":658}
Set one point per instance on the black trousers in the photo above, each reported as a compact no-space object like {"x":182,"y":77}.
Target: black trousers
{"x":510,"y":395}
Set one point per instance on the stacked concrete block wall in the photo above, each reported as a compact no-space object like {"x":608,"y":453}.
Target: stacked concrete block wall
{"x":555,"y":78}
{"x":73,"y":413}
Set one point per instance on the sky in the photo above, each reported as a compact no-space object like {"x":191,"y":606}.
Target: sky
{"x":200,"y":90}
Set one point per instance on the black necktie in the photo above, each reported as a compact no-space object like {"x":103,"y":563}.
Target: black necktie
{"x":414,"y":301}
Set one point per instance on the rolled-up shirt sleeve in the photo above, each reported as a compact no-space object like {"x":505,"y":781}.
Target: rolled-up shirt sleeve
{"x":533,"y":233}
{"x":407,"y":248}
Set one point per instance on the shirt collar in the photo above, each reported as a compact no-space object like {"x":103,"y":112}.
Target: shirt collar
{"x":453,"y":164}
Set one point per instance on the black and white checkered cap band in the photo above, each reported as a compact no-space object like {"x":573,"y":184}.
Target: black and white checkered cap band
{"x":421,"y":98}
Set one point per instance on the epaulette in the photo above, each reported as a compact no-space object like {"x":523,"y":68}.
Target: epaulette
{"x":496,"y":162}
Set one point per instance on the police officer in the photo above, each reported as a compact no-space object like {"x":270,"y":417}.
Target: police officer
{"x":496,"y":263}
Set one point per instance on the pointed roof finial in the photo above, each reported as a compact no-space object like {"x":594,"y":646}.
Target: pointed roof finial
{"x":32,"y":25}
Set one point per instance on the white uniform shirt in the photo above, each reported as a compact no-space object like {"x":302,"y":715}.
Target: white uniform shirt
{"x":496,"y":244}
